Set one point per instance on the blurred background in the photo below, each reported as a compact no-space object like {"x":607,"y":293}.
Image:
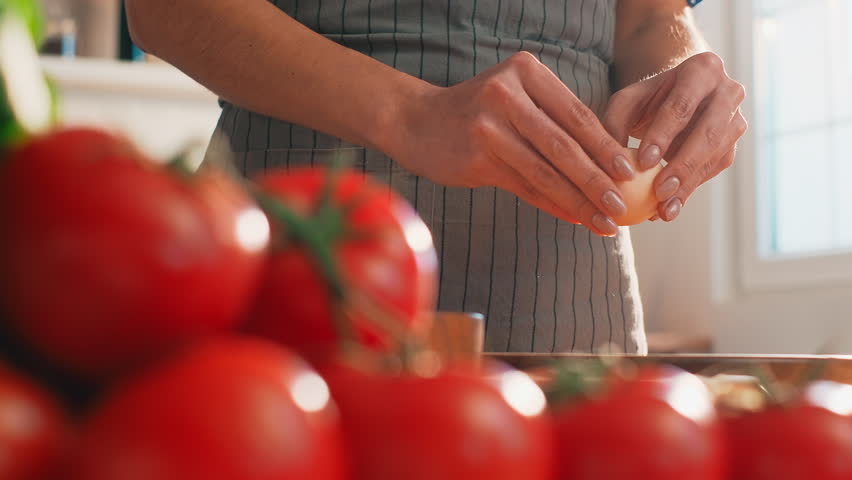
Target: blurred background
{"x":107,"y":81}
{"x":759,"y":262}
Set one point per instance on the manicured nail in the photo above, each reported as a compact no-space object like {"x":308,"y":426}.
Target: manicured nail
{"x":673,"y":209}
{"x":614,"y":204}
{"x":667,"y":189}
{"x":623,"y":167}
{"x":655,"y":218}
{"x":650,"y":157}
{"x":605,"y":224}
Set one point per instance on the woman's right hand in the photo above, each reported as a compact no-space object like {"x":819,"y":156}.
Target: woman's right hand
{"x":517,"y":127}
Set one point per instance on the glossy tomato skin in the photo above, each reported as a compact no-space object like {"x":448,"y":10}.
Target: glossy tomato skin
{"x":227,"y":409}
{"x":802,"y":441}
{"x":454,"y":426}
{"x":660,"y":425}
{"x":107,"y":258}
{"x":33,"y":431}
{"x":383,"y":252}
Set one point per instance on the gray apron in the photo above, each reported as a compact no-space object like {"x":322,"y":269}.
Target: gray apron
{"x":544,"y":285}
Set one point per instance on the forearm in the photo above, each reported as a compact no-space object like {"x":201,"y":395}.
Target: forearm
{"x":259,"y":58}
{"x":652,"y":40}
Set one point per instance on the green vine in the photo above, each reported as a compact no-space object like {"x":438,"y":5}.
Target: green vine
{"x":314,"y":234}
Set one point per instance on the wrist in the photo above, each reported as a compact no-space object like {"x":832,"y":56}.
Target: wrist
{"x":402,"y":108}
{"x":659,"y":43}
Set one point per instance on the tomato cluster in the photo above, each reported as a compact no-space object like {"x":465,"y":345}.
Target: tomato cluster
{"x":169,"y":316}
{"x":167,"y":324}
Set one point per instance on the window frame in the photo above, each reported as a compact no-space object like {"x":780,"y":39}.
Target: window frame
{"x":758,"y":272}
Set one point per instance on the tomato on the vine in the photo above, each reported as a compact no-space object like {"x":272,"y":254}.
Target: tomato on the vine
{"x":456,"y":425}
{"x":659,"y":425}
{"x":107,"y":258}
{"x":226,"y":409}
{"x":810,"y":439}
{"x":359,"y":256}
{"x":32,"y":429}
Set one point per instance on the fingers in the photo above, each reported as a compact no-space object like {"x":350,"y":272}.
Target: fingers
{"x":569,"y":203}
{"x":546,"y":155}
{"x":555,"y":153}
{"x":715,"y":132}
{"x":704,"y":152}
{"x":678,"y":142}
{"x":552,"y":97}
{"x":583,"y":212}
{"x":695,"y":168}
{"x":697,"y":78}
{"x":628,"y":110}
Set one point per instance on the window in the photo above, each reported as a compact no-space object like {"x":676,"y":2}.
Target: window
{"x":802,"y":60}
{"x":796,"y":187}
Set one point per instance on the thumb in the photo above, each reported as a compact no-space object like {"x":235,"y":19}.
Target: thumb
{"x":628,"y":110}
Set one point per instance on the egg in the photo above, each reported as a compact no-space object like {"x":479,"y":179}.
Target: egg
{"x":638,"y":193}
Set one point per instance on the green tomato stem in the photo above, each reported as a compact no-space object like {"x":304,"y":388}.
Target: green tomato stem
{"x":318,"y":234}
{"x":309,"y":234}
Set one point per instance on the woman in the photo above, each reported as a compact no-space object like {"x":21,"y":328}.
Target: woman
{"x":490,"y":111}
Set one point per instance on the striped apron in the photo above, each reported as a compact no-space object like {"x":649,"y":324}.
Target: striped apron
{"x":544,"y":285}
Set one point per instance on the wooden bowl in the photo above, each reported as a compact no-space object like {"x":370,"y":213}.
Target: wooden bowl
{"x":457,"y":336}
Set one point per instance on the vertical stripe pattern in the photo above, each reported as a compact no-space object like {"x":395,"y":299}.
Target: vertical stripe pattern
{"x":543,"y":284}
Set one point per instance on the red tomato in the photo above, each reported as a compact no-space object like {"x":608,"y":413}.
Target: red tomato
{"x":107,"y":258}
{"x":809,"y":440}
{"x":660,"y":425}
{"x":32,"y":429}
{"x":379,"y":246}
{"x":454,"y":426}
{"x":228,"y":409}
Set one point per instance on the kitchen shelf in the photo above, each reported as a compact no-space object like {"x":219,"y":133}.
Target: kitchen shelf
{"x":124,"y":78}
{"x":158,"y":107}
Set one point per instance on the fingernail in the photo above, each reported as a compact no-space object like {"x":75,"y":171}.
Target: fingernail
{"x":667,"y":189}
{"x":624,"y":168}
{"x":605,"y":224}
{"x":650,"y":157}
{"x":673,"y":209}
{"x":614,"y":203}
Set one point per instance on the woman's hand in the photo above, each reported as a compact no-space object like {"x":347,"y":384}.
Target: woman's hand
{"x":516,"y":126}
{"x":688,"y":115}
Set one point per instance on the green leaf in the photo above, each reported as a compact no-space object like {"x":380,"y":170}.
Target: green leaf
{"x":30,"y":12}
{"x":10,"y":131}
{"x":575,"y":379}
{"x":27,"y":100}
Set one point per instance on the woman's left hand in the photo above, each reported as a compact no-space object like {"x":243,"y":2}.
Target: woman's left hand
{"x":689,"y":115}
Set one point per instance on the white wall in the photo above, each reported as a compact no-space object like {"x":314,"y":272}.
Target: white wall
{"x":689,"y":270}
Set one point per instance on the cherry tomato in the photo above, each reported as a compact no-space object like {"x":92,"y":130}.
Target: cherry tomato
{"x":660,"y":425}
{"x":107,"y":259}
{"x":810,"y":439}
{"x":379,"y":248}
{"x":227,"y":409}
{"x":32,"y":429}
{"x":453,"y":426}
